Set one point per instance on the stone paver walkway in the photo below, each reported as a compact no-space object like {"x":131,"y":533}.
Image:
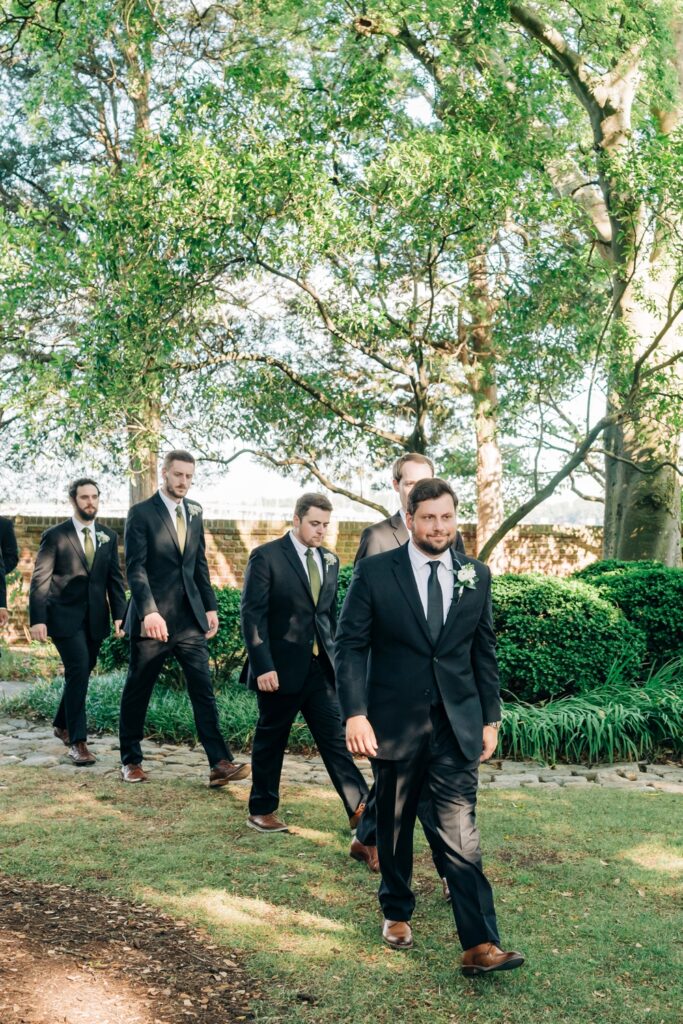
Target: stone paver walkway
{"x":24,"y":744}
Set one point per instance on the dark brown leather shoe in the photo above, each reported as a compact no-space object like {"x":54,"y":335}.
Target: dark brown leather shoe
{"x":227,"y":771}
{"x":266,"y":823}
{"x":486,"y":957}
{"x":80,"y":755}
{"x":446,"y":890}
{"x":133,"y":773}
{"x":397,"y":934}
{"x":356,"y":816}
{"x":365,"y":854}
{"x":62,"y":735}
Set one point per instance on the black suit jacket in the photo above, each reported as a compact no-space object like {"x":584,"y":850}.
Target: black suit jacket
{"x":9,"y":552}
{"x":65,"y":594}
{"x":280,"y":620}
{"x":161,"y":579}
{"x":383,"y":617}
{"x":388,"y":535}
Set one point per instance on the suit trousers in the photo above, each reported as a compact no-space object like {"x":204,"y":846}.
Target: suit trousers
{"x":452,"y":782}
{"x":79,"y":654}
{"x":366,"y":832}
{"x":147,"y":657}
{"x":317,"y":702}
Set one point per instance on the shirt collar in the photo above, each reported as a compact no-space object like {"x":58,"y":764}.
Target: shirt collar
{"x":418,"y":559}
{"x":301,"y":548}
{"x":79,"y":526}
{"x":170,"y":503}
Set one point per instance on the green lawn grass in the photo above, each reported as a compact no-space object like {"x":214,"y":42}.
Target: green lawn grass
{"x":586,"y":883}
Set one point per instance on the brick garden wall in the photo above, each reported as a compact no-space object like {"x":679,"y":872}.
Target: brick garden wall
{"x":556,"y":550}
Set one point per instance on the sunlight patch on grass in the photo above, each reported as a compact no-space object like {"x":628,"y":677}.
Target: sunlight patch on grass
{"x":314,"y":834}
{"x":656,"y":858}
{"x":281,"y":928}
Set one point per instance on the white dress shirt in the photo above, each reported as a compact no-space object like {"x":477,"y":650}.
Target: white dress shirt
{"x":301,"y":550}
{"x":421,"y":571}
{"x":79,"y":527}
{"x":171,"y":504}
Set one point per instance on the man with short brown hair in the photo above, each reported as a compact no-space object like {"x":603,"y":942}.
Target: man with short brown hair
{"x":172,"y":612}
{"x":289,"y":615}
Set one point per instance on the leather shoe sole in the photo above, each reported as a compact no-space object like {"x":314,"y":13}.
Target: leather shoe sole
{"x":278,"y":826}
{"x":241,"y":771}
{"x":513,"y":960}
{"x":82,"y":762}
{"x":402,"y":943}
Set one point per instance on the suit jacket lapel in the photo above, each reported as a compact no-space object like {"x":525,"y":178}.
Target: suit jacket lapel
{"x":293,"y":556}
{"x":326,"y":572}
{"x":398,"y":526}
{"x":457,"y":594}
{"x":166,"y":520}
{"x":406,"y":580}
{"x":76,"y":544}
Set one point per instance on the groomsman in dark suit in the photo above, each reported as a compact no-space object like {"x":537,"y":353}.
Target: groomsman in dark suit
{"x":8,"y":545}
{"x":76,"y":584}
{"x":288,"y":620}
{"x":9,"y":556}
{"x":389,"y":535}
{"x":172,"y":612}
{"x":417,"y":678}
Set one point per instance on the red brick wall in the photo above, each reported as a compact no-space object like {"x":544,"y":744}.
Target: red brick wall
{"x":556,"y":550}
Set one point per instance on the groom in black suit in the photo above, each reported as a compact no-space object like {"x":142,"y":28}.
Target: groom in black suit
{"x":289,"y":615}
{"x":9,"y":556}
{"x":76,"y":583}
{"x":418,"y":684}
{"x":172,"y":612}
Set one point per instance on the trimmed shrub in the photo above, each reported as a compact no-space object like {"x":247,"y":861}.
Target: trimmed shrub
{"x":651,"y":597}
{"x":558,"y":637}
{"x":345,"y":574}
{"x":226,"y":649}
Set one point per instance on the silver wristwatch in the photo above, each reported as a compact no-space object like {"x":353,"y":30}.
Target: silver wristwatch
{"x":492,"y":725}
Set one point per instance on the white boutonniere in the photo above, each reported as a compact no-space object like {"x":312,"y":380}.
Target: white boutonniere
{"x":102,"y":537}
{"x":329,"y":559}
{"x":193,"y":510}
{"x":467,"y":577}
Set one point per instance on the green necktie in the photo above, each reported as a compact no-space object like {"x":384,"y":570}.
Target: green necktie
{"x":181,"y":528}
{"x":88,"y":547}
{"x":314,"y":580}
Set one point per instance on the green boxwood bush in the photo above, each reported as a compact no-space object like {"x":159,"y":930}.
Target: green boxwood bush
{"x":558,"y":637}
{"x":226,"y":649}
{"x":651,"y":597}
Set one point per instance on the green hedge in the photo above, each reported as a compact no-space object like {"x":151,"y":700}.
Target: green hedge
{"x":558,"y":637}
{"x":651,"y":597}
{"x":226,"y":649}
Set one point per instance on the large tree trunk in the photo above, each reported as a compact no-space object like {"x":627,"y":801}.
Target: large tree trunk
{"x":481,"y":376}
{"x":143,"y":448}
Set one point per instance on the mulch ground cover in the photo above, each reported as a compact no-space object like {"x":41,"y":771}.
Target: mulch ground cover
{"x":73,"y":957}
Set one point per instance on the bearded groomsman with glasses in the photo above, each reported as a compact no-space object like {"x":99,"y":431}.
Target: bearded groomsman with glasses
{"x":76,"y":585}
{"x":172,"y":612}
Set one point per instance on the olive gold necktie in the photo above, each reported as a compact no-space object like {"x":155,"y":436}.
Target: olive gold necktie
{"x":180,"y":527}
{"x":88,"y":547}
{"x":316,"y":585}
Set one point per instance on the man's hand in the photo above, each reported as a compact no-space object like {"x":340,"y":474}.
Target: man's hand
{"x":155,"y":626}
{"x":212,"y":619}
{"x":360,"y":736}
{"x":268,"y":682}
{"x":489,"y":742}
{"x":118,"y":632}
{"x":4,"y":617}
{"x":39,"y":632}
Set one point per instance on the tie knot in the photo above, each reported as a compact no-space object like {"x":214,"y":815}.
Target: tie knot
{"x":309,"y":552}
{"x":434,"y":566}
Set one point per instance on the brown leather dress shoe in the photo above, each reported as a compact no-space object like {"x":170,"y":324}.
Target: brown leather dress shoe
{"x":266,"y":823}
{"x":80,"y":755}
{"x":62,"y":735}
{"x":227,"y":771}
{"x":397,"y":934}
{"x":133,"y":773}
{"x":356,"y":816}
{"x":486,"y":957}
{"x":446,"y":890}
{"x":365,"y":854}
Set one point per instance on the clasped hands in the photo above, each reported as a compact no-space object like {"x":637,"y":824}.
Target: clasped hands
{"x":156,"y":628}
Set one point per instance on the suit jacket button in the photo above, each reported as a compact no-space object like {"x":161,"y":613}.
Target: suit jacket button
{"x":426,"y":692}
{"x":436,"y":661}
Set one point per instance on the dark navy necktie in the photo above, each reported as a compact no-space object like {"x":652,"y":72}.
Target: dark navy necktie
{"x":434,"y":602}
